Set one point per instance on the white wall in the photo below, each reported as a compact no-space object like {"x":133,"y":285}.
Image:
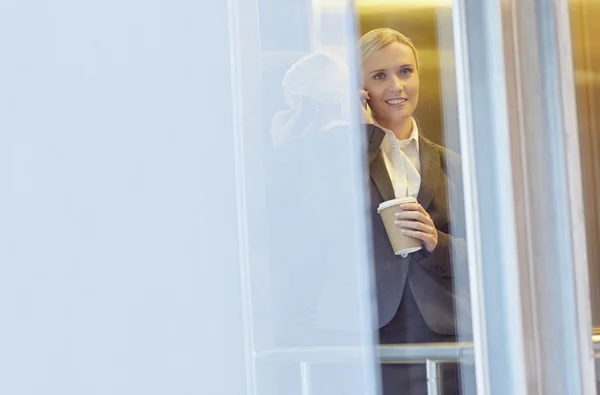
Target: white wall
{"x":118,"y":255}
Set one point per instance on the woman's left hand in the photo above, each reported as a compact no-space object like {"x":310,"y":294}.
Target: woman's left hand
{"x":366,"y":115}
{"x":416,"y":222}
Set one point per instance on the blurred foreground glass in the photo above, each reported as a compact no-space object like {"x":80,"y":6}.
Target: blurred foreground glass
{"x":305,"y":268}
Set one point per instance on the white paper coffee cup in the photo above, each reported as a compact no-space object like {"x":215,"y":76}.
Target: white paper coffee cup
{"x":401,"y":243}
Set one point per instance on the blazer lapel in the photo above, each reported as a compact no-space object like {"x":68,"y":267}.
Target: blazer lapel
{"x":377,"y":169}
{"x":375,"y":136}
{"x":430,"y":171}
{"x":381,"y":177}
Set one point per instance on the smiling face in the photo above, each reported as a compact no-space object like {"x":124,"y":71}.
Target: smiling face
{"x":390,"y":76}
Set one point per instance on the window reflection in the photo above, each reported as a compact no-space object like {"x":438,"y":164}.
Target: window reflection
{"x":310,"y":154}
{"x":319,"y":326}
{"x":315,"y":92}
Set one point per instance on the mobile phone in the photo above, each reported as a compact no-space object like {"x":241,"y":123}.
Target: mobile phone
{"x":364,"y":102}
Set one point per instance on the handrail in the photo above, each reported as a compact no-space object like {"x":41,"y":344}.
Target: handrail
{"x":400,"y":353}
{"x":415,"y":353}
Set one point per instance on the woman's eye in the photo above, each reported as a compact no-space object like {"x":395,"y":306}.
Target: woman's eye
{"x":379,"y":76}
{"x":405,"y":71}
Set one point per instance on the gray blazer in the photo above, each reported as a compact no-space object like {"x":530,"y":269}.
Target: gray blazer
{"x":438,"y":280}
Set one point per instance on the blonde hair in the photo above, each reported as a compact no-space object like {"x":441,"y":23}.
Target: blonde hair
{"x":376,"y":39}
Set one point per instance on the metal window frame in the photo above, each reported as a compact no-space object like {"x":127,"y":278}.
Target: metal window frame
{"x":528,"y":272}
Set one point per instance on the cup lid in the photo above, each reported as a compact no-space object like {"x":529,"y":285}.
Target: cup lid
{"x":395,"y":202}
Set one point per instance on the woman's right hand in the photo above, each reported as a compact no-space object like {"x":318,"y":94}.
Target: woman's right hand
{"x":366,"y":115}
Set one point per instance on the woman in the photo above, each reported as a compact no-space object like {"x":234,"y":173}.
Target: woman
{"x":422,"y":297}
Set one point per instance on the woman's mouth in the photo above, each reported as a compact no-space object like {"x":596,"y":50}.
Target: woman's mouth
{"x":397,"y":102}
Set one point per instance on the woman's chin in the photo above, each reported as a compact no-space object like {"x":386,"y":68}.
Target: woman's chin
{"x":397,"y":118}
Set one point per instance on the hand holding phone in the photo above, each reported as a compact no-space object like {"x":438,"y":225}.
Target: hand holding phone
{"x":367,"y":117}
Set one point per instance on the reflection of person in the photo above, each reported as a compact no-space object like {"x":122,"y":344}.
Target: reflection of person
{"x":315,"y":89}
{"x":417,"y":300}
{"x":309,"y":157}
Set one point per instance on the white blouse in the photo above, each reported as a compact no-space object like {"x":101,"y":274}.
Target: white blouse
{"x":402,"y":162}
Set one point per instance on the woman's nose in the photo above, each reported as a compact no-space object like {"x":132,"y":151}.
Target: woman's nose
{"x":397,"y":84}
